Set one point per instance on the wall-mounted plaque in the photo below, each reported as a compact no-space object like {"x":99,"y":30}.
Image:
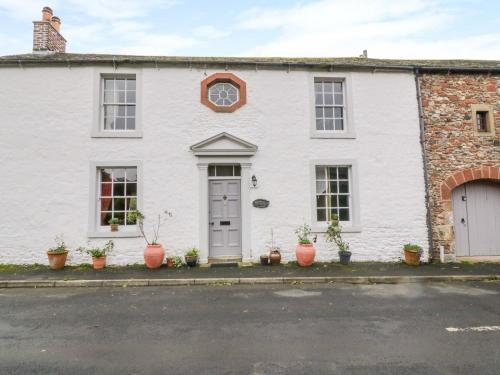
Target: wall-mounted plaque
{"x":261,"y":203}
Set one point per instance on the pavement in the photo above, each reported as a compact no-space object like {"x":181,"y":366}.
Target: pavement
{"x":139,"y":275}
{"x":438,"y":328}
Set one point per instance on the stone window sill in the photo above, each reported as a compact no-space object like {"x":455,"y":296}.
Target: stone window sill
{"x":102,"y":134}
{"x":119,"y":234}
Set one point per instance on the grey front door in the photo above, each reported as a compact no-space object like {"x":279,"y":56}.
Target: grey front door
{"x":476,"y":215}
{"x":225,"y":218}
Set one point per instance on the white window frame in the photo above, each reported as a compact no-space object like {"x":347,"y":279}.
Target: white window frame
{"x":348,"y":131}
{"x":98,"y":107}
{"x":95,"y":229}
{"x":354,"y":224}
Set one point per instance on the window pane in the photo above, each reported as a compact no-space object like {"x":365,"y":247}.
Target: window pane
{"x":320,"y":125}
{"x":319,"y":112}
{"x":332,"y":173}
{"x":329,"y":124}
{"x":343,"y":187}
{"x":120,"y":84}
{"x":109,"y":97}
{"x":343,"y":173}
{"x":320,"y":201}
{"x":118,"y":190}
{"x":321,"y":215}
{"x":130,"y":221}
{"x":328,"y":87}
{"x":109,"y":110}
{"x":237,"y":170}
{"x":120,"y":216}
{"x":106,"y":175}
{"x":131,"y":110}
{"x":332,"y":212}
{"x":338,"y":87}
{"x":118,"y":175}
{"x":106,"y":204}
{"x":332,"y":186}
{"x":344,"y":214}
{"x":319,"y":99}
{"x":328,"y":99}
{"x":131,"y":84}
{"x":120,"y":97}
{"x":105,"y":216}
{"x":329,"y":112}
{"x":130,"y":96}
{"x":339,"y":113}
{"x":106,"y":190}
{"x":131,"y":189}
{"x":320,"y":173}
{"x":109,"y":84}
{"x":224,"y":170}
{"x":131,"y":204}
{"x":131,"y":174}
{"x":130,"y":123}
{"x":120,"y":123}
{"x":211,"y":170}
{"x":321,"y":187}
{"x":332,"y":201}
{"x":118,"y":204}
{"x":339,"y":124}
{"x":318,"y":87}
{"x":339,"y":99}
{"x":120,"y":110}
{"x":343,"y":201}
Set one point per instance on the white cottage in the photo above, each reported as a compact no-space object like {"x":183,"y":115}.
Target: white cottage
{"x":234,"y":147}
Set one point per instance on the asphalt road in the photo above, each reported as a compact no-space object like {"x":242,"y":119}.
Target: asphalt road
{"x":294,"y":329}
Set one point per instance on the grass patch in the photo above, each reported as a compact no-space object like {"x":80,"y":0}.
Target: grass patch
{"x":13,"y":268}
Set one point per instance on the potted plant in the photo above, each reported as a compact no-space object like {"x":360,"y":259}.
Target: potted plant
{"x":191,"y":257}
{"x":305,"y":251}
{"x":113,"y":223}
{"x":274,"y":252}
{"x":57,"y":255}
{"x":334,"y":235}
{"x":412,"y":254}
{"x":154,"y":252}
{"x":170,"y":262}
{"x":99,"y":254}
{"x":177,"y":261}
{"x":264,"y":260}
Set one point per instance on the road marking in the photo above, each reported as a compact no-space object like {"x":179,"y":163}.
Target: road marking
{"x":474,"y":329}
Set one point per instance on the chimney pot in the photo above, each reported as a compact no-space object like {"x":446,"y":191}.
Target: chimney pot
{"x":56,"y":23}
{"x":46,"y":14}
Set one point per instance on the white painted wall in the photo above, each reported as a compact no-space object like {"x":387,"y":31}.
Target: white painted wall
{"x":45,"y":150}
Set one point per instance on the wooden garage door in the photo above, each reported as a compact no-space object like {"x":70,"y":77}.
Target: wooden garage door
{"x":476,"y":214}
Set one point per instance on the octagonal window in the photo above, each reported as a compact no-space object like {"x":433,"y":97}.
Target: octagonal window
{"x":223,"y":94}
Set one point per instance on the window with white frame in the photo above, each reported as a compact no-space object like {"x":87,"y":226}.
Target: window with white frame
{"x":333,"y":193}
{"x":118,"y":103}
{"x":117,"y":196}
{"x":330,"y":111}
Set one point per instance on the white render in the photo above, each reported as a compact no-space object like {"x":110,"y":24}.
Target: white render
{"x":46,"y":148}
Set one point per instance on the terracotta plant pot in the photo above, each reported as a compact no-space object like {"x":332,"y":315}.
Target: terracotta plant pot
{"x":57,"y":260}
{"x":305,"y":254}
{"x":191,"y":261}
{"x":99,"y":262}
{"x":114,"y":227}
{"x":170,"y":262}
{"x":264,"y":260}
{"x":412,"y":258}
{"x":275,"y":258}
{"x":153,"y":256}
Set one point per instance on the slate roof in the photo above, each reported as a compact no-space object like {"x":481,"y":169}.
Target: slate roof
{"x":256,"y":62}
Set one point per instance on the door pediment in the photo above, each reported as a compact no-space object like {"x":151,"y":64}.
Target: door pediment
{"x":224,"y":144}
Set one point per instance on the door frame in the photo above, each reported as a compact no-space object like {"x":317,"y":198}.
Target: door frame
{"x":246,"y":203}
{"x":226,"y":178}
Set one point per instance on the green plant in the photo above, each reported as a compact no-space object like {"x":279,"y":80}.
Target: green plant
{"x":60,"y":245}
{"x":303,"y":232}
{"x":193,"y":252}
{"x":334,"y":234}
{"x":137,"y":217}
{"x":113,"y":221}
{"x":177,"y":261}
{"x":98,"y":252}
{"x":413,"y":248}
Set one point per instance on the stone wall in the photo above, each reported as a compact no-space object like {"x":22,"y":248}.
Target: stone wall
{"x":456,"y":153}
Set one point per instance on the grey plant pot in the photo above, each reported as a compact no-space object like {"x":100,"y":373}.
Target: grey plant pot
{"x":345,"y":257}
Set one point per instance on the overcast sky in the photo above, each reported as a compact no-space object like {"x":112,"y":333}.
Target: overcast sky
{"x":331,"y":28}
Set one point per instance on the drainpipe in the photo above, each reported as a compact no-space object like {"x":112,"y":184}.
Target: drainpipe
{"x":424,"y":159}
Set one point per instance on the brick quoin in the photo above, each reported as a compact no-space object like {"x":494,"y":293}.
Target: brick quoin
{"x":467,"y":175}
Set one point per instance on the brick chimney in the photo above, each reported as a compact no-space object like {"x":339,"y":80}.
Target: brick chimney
{"x":46,"y":34}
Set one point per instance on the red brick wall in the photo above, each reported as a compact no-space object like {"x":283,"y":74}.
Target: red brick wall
{"x":46,"y":38}
{"x":452,"y":145}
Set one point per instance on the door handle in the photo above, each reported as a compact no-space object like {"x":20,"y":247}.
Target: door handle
{"x":211,"y":223}
{"x":462,"y":221}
